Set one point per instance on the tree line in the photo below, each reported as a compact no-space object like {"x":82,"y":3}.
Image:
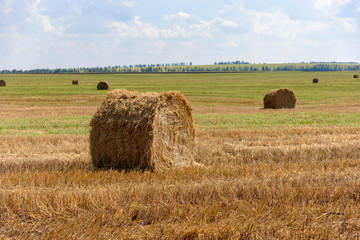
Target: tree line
{"x":237,"y":66}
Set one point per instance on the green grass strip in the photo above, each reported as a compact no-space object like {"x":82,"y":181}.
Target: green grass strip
{"x":276,"y":120}
{"x":79,"y":125}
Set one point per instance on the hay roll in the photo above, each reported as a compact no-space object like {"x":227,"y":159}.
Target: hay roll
{"x":103,"y":86}
{"x":315,"y":80}
{"x":2,"y":83}
{"x":280,"y":98}
{"x":151,"y":131}
{"x":75,"y":82}
{"x":356,"y":76}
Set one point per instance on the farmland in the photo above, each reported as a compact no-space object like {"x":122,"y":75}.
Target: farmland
{"x":289,"y":173}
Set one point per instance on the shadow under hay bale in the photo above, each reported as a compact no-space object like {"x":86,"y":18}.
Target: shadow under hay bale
{"x":103,"y":86}
{"x":280,"y":98}
{"x":315,"y":80}
{"x":75,"y":82}
{"x":356,"y":76}
{"x":148,"y":131}
{"x":2,"y":83}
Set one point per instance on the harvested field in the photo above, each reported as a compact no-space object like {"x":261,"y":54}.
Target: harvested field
{"x":249,"y":178}
{"x":266,"y":174}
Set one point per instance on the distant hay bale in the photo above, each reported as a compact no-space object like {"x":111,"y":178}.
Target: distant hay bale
{"x":2,"y":83}
{"x":103,"y":86}
{"x":75,"y":82}
{"x":151,"y":131}
{"x":280,"y":98}
{"x":356,"y":76}
{"x":315,"y":80}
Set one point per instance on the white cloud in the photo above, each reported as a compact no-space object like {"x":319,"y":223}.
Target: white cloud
{"x":229,"y":44}
{"x":180,"y":15}
{"x":172,"y":33}
{"x":323,"y":4}
{"x":330,"y":7}
{"x":156,"y":47}
{"x":137,"y":30}
{"x":275,"y":25}
{"x":202,"y":29}
{"x":129,"y":4}
{"x":10,"y":33}
{"x":349,"y":24}
{"x":43,"y":20}
{"x":227,"y":23}
{"x":316,"y":27}
{"x":343,"y":2}
{"x":358,"y":9}
{"x":5,"y":7}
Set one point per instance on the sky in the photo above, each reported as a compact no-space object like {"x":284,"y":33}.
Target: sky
{"x":83,"y":33}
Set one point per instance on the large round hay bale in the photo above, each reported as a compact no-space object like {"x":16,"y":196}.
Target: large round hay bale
{"x":2,"y":83}
{"x":356,"y":76}
{"x":103,"y":86}
{"x":75,"y":82}
{"x":315,"y":80}
{"x":280,"y":98}
{"x":151,"y":131}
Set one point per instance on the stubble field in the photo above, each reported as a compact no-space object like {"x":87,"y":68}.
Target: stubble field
{"x":266,"y":173}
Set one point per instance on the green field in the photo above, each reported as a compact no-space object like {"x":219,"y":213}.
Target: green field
{"x":206,"y":91}
{"x":333,"y":86}
{"x":79,"y":125}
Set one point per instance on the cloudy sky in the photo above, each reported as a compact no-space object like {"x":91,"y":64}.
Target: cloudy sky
{"x":85,"y":33}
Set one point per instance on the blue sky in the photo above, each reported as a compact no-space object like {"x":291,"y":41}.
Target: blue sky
{"x":81,"y":33}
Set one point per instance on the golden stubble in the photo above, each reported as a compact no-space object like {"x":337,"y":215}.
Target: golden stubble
{"x":284,"y":183}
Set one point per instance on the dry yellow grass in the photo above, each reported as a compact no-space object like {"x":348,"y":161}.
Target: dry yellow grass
{"x":290,"y":183}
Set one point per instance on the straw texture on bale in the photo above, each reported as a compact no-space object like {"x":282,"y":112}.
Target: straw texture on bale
{"x":280,"y":98}
{"x":356,"y":76}
{"x":2,"y":83}
{"x":151,"y":131}
{"x":75,"y":82}
{"x":103,"y":86}
{"x":315,"y":80}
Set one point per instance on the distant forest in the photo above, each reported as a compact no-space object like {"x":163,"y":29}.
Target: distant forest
{"x":230,"y":66}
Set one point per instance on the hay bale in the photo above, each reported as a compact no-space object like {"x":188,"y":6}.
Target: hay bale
{"x":356,"y":76}
{"x":2,"y":83}
{"x":151,"y":131}
{"x":103,"y":86}
{"x":75,"y":82}
{"x":315,"y":80}
{"x":280,"y":98}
